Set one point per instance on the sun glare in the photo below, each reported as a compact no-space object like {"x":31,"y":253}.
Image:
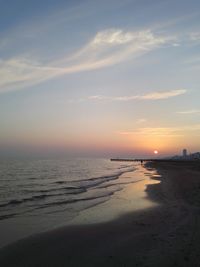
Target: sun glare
{"x":155,"y":152}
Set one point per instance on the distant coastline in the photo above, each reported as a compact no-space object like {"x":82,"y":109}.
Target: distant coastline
{"x":177,"y":158}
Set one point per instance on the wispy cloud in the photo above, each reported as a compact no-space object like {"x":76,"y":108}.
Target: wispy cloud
{"x":163,"y":131}
{"x":17,"y":73}
{"x":154,"y":131}
{"x":194,"y":36}
{"x":140,"y":121}
{"x":191,"y":111}
{"x":148,"y":96}
{"x":163,"y":95}
{"x":106,"y":48}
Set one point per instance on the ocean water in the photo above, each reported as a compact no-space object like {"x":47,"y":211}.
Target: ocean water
{"x":39,"y":195}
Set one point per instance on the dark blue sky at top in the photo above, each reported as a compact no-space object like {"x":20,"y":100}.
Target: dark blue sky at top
{"x":13,"y":12}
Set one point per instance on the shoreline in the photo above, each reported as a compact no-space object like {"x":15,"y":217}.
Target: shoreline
{"x":116,"y":196}
{"x":166,"y":235}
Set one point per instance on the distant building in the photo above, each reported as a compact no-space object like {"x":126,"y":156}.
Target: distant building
{"x":184,"y":153}
{"x":186,"y":156}
{"x":195,"y":156}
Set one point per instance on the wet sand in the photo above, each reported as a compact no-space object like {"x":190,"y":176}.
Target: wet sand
{"x":165,"y":235}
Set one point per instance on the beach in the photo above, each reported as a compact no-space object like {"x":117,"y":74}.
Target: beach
{"x":167,"y":234}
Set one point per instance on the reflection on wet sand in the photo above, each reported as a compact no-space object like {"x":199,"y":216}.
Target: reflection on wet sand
{"x":132,"y":197}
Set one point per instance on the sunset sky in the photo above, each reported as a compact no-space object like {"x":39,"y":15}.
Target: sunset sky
{"x":99,"y":78}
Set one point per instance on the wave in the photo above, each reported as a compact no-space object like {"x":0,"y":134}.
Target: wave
{"x":70,"y":201}
{"x":107,"y":177}
{"x":124,"y":166}
{"x":116,"y":184}
{"x":15,"y":202}
{"x":73,"y":189}
{"x":7,"y":216}
{"x":70,"y":189}
{"x":36,"y":198}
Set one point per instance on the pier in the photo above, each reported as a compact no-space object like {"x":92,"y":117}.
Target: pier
{"x":154,"y":160}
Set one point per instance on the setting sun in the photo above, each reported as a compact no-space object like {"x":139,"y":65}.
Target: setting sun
{"x":155,"y":152}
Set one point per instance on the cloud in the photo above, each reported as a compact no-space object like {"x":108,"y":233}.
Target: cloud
{"x":112,"y":37}
{"x":194,"y":36}
{"x":149,"y":96}
{"x":106,"y":48}
{"x":140,"y":121}
{"x":113,"y":46}
{"x":192,"y":111}
{"x":19,"y":72}
{"x":154,"y":131}
{"x":164,"y":94}
{"x":163,"y":131}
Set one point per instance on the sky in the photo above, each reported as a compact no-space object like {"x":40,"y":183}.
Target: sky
{"x":99,"y":78}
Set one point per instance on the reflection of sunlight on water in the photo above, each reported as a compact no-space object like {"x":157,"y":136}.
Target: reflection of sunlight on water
{"x":133,"y":197}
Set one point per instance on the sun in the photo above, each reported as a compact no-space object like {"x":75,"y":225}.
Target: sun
{"x":155,"y":152}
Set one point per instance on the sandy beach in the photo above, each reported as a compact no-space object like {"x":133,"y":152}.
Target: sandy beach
{"x":164,"y":235}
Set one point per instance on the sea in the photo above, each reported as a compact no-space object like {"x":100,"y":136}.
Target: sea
{"x":41,"y":195}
